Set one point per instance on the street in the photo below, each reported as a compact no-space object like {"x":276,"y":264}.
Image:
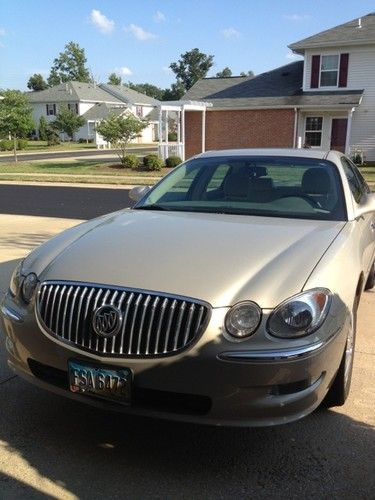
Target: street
{"x":51,"y":447}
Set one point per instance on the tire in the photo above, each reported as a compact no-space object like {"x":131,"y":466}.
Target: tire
{"x":370,"y":283}
{"x":340,"y":387}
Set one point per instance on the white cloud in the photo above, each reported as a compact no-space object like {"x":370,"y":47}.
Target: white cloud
{"x":124,"y":71}
{"x":159,"y":17}
{"x":230,"y":33}
{"x":2,"y":32}
{"x":139,"y":33}
{"x":291,"y":56}
{"x":104,"y":25}
{"x":296,"y":17}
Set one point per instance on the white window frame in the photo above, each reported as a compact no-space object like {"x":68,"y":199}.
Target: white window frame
{"x":329,"y":70}
{"x":321,"y":130}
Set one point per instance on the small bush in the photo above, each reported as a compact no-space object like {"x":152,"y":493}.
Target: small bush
{"x":357,"y":157}
{"x":53,"y":137}
{"x":152,"y":162}
{"x":6,"y":145}
{"x":130,"y":161}
{"x":22,"y":144}
{"x":173,"y":161}
{"x":172,"y":137}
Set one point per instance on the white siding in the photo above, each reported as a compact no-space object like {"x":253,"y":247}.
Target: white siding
{"x":85,"y":106}
{"x":361,"y":75}
{"x":326,"y":127}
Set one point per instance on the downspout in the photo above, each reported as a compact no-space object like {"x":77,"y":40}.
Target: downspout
{"x":295,"y":127}
{"x":348,"y":131}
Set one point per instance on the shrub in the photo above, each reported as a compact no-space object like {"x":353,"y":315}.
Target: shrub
{"x":42,"y":131}
{"x":53,"y":137}
{"x":6,"y":145}
{"x":130,"y":161}
{"x":357,"y":157}
{"x":172,"y":136}
{"x":22,"y":144}
{"x":173,"y":161}
{"x":152,"y":162}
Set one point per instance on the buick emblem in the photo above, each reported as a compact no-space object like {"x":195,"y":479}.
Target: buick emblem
{"x":106,"y":321}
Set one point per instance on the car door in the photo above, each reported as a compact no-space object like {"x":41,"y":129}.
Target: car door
{"x":365,"y":224}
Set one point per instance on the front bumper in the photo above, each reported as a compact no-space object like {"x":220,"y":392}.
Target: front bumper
{"x":252,"y":383}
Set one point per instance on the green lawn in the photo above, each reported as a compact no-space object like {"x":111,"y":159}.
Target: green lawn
{"x":42,"y":146}
{"x":76,"y":171}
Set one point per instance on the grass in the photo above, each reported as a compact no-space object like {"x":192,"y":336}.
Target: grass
{"x":84,"y":171}
{"x":42,"y":146}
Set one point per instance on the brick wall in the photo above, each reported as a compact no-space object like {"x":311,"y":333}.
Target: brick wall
{"x":263,"y":128}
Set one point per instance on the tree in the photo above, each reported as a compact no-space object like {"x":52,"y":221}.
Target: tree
{"x":37,"y":82}
{"x":114,"y":79}
{"x":42,"y":131}
{"x":175,"y":92}
{"x":147,"y":89}
{"x":69,"y":65}
{"x":68,"y":122}
{"x":191,"y":66}
{"x":120,"y":130}
{"x":225,"y":73}
{"x":15,"y":116}
{"x":249,"y":73}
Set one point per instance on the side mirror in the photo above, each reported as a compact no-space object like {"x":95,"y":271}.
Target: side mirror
{"x":138,"y":192}
{"x":367,"y":206}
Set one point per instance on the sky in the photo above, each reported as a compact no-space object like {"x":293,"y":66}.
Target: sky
{"x":139,"y":39}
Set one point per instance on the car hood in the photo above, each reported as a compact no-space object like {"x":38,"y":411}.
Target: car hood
{"x":221,"y":259}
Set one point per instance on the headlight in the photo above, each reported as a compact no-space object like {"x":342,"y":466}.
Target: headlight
{"x":300,"y":315}
{"x":243,"y":319}
{"x":28,"y":287}
{"x":15,"y":280}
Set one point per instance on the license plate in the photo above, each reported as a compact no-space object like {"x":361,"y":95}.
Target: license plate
{"x":105,"y":382}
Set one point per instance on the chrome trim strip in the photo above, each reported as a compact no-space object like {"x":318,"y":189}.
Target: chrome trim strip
{"x":286,"y":354}
{"x":11,"y":314}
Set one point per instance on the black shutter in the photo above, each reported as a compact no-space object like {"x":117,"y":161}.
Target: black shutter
{"x":343,"y":75}
{"x":315,"y":70}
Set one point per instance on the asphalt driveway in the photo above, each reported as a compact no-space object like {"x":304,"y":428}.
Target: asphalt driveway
{"x":55,"y":448}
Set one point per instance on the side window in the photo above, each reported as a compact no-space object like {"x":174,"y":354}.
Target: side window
{"x":357,"y":172}
{"x":354,"y":183}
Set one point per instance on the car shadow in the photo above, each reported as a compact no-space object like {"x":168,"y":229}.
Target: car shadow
{"x":92,"y":453}
{"x":61,"y":201}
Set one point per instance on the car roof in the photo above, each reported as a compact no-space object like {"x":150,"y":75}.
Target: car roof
{"x":302,"y":153}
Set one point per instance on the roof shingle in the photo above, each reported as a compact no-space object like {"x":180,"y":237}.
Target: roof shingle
{"x":358,"y":31}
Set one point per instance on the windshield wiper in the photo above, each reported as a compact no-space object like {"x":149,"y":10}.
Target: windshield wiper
{"x":153,"y":206}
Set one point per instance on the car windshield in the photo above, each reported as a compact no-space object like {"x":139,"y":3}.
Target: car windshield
{"x":248,"y":185}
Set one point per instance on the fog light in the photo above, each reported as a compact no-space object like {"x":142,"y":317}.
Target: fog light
{"x":243,"y":319}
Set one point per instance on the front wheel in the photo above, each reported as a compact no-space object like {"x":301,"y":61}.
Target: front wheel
{"x":340,"y":388}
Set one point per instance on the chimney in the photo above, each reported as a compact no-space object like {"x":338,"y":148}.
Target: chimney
{"x":359,"y":22}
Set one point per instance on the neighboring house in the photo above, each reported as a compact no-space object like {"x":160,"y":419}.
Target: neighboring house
{"x":325,"y":101}
{"x":94,"y":103}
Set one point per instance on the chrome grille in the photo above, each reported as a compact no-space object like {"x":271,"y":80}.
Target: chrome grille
{"x":153,"y":324}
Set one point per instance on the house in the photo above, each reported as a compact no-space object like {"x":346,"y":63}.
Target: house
{"x":93,"y":102}
{"x":326,"y":100}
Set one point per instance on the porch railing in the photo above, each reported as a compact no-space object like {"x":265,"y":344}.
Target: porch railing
{"x":171,"y":149}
